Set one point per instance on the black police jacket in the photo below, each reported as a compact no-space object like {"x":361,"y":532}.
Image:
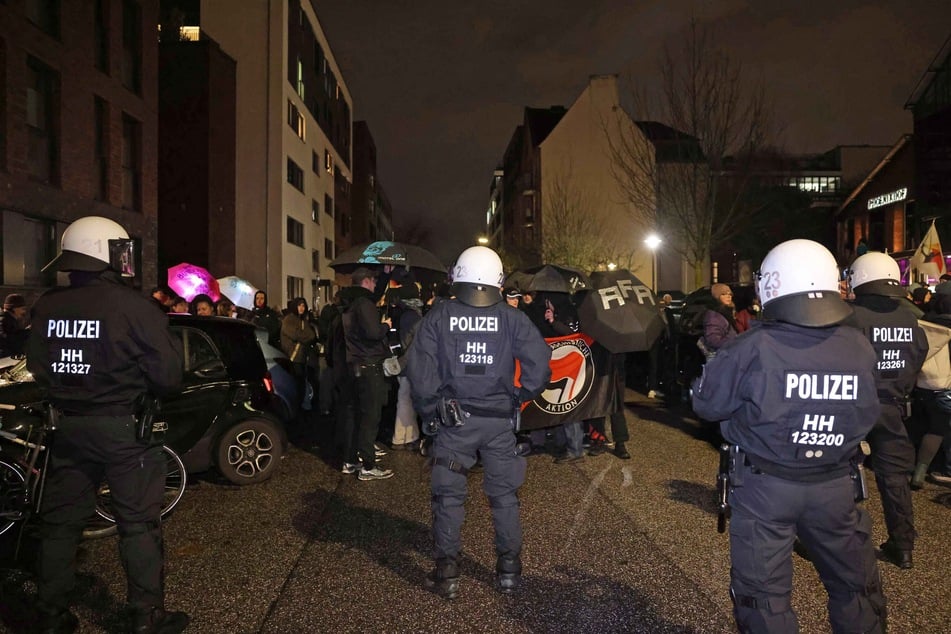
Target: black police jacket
{"x":99,"y":345}
{"x":797,"y":400}
{"x":468,"y":353}
{"x":900,"y":344}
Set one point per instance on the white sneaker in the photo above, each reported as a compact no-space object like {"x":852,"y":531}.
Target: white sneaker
{"x":350,"y":467}
{"x":375,"y":473}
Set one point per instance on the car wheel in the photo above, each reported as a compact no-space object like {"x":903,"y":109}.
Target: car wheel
{"x":250,"y":451}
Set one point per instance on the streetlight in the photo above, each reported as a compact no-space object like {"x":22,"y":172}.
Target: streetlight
{"x":483,"y":240}
{"x":653,"y":241}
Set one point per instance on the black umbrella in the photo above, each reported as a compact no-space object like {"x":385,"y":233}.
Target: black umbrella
{"x":555,"y":278}
{"x":519,"y":279}
{"x":620,"y":312}
{"x":387,"y":252}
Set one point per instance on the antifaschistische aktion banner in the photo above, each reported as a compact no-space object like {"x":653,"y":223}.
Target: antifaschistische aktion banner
{"x":581,"y":386}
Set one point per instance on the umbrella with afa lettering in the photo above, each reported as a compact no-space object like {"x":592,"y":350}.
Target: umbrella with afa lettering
{"x":189,"y":280}
{"x":387,"y":252}
{"x":620,"y":312}
{"x":238,"y":290}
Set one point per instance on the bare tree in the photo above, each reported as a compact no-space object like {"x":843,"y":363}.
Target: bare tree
{"x":576,"y":231}
{"x":687,"y":179}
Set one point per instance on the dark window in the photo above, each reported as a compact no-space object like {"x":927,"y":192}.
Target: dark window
{"x":295,"y":232}
{"x":295,"y":287}
{"x":102,"y":35}
{"x":42,"y":103}
{"x":295,"y":175}
{"x":295,"y":119}
{"x":329,"y":248}
{"x":328,"y":205}
{"x":131,"y":163}
{"x":132,"y":45}
{"x":31,"y":243}
{"x":315,"y":260}
{"x":315,"y":211}
{"x":101,"y":158}
{"x":315,"y":163}
{"x":44,"y":14}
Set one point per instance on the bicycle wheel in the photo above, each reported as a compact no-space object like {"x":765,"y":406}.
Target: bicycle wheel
{"x":104,"y":524}
{"x":12,"y":492}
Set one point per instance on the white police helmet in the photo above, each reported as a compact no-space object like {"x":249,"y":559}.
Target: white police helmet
{"x":876,"y":273}
{"x":92,"y":243}
{"x":477,"y":277}
{"x":798,"y":282}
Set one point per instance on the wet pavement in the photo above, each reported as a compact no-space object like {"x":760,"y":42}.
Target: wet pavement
{"x":610,"y":546}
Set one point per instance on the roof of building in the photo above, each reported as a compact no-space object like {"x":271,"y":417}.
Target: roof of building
{"x":928,"y":77}
{"x":541,"y":121}
{"x":902,"y":142}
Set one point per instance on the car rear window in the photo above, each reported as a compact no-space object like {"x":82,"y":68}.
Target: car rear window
{"x":237,"y":345}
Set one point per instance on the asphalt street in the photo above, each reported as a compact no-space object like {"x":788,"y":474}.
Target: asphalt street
{"x":610,"y":546}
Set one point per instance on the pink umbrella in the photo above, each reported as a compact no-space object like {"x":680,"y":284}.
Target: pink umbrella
{"x":189,"y":280}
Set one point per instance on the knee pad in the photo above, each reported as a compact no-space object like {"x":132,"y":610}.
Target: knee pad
{"x":134,"y":529}
{"x":503,"y":501}
{"x":762,"y":612}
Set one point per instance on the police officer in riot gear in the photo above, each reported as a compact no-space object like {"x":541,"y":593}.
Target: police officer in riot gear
{"x":103,"y":349}
{"x":796,"y":395}
{"x":461,"y":366}
{"x":891,"y":325}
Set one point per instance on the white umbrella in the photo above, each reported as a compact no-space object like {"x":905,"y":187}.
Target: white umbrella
{"x":238,"y":290}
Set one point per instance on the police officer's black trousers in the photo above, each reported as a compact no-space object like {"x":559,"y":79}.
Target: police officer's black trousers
{"x":86,"y":451}
{"x":503,"y":473}
{"x":893,"y":460}
{"x":768,"y":514}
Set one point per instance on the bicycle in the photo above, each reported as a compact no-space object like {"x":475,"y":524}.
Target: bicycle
{"x":23,"y":461}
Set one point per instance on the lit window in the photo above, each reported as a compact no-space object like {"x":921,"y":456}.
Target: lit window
{"x":328,"y":162}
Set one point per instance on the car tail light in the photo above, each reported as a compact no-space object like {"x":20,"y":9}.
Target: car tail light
{"x":268,"y":383}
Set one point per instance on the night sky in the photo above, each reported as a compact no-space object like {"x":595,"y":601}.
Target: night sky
{"x":442,"y":83}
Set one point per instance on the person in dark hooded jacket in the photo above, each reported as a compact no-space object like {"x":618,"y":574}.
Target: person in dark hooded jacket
{"x":297,"y":335}
{"x":263,"y":316}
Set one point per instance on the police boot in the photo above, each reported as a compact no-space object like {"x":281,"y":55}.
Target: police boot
{"x":508,"y":573}
{"x":51,"y":621}
{"x":918,"y":477}
{"x":158,"y":621}
{"x":444,"y":579}
{"x":891,"y":553}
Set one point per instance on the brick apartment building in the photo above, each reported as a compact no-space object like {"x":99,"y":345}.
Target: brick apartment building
{"x":78,"y":129}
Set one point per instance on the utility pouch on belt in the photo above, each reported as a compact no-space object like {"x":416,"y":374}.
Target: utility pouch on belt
{"x":451,"y":413}
{"x":723,"y":487}
{"x":148,"y":407}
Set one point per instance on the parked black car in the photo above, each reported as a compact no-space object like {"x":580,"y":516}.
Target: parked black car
{"x":221,"y":418}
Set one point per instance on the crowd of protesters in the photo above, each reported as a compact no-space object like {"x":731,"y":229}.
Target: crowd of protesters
{"x":304,"y":334}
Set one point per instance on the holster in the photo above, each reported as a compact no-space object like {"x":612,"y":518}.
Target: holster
{"x":857,"y":473}
{"x":451,"y":413}
{"x":148,"y":407}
